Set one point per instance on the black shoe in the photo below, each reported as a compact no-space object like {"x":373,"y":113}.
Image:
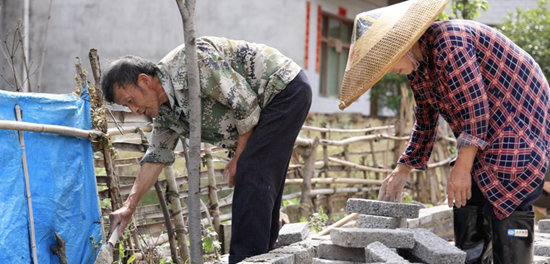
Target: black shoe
{"x":473,"y":234}
{"x":513,"y":238}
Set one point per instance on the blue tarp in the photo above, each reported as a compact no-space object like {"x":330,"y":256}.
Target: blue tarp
{"x":61,"y":176}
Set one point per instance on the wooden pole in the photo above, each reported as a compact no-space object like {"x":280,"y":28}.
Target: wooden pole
{"x":187,"y":12}
{"x":169,"y":228}
{"x":27,"y":185}
{"x":177,"y":211}
{"x":53,"y":129}
{"x":340,"y":223}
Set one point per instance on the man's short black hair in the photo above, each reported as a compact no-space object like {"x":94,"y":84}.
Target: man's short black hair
{"x":124,"y":71}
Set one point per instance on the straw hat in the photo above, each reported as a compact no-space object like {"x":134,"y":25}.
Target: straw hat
{"x":380,"y":38}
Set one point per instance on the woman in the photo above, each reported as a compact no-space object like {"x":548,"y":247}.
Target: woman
{"x":495,"y":99}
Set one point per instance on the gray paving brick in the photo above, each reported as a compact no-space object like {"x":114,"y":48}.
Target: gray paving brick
{"x":377,"y":252}
{"x":379,"y":208}
{"x":541,"y":260}
{"x":328,"y":250}
{"x":270,"y":258}
{"x":328,"y":261}
{"x":433,"y":249}
{"x":309,"y":244}
{"x":301,"y":254}
{"x":373,"y":221}
{"x":542,"y":248}
{"x":292,"y":233}
{"x":413,"y":223}
{"x":362,"y":237}
{"x":544,"y":226}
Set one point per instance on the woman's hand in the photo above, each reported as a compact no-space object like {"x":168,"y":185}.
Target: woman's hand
{"x":392,"y":187}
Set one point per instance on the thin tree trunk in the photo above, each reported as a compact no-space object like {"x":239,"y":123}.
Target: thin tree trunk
{"x":309,"y":154}
{"x":187,"y":11}
{"x":213,"y":190}
{"x":168,"y":223}
{"x":177,"y":212}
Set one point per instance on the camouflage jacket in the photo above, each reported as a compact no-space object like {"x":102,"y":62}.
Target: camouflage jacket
{"x":237,"y":80}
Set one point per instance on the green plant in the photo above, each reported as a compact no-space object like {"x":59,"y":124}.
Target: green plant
{"x":529,"y":29}
{"x":210,"y":244}
{"x":464,"y":9}
{"x":318,"y":220}
{"x":406,"y":197}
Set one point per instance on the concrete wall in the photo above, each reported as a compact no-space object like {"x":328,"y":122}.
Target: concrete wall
{"x":150,"y":29}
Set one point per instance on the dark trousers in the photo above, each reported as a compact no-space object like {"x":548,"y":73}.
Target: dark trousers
{"x":262,"y":168}
{"x":479,"y":200}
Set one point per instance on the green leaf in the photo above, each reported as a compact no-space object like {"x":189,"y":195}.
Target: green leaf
{"x":132,"y":258}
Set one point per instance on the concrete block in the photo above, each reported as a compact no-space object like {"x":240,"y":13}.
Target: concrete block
{"x":377,"y":252}
{"x":373,"y":221}
{"x":270,"y":258}
{"x":329,"y":261}
{"x":424,"y":219}
{"x":542,"y":248}
{"x":413,"y":223}
{"x":438,"y":212}
{"x":328,"y":250}
{"x":379,"y":208}
{"x":361,"y":237}
{"x":541,"y":260}
{"x":309,"y":244}
{"x":544,"y":226}
{"x":301,"y":254}
{"x":434,"y":250}
{"x":292,"y":233}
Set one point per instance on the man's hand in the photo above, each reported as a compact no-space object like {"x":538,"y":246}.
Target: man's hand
{"x":122,"y":217}
{"x":392,"y":187}
{"x":459,"y":184}
{"x":231,"y":167}
{"x":231,"y":171}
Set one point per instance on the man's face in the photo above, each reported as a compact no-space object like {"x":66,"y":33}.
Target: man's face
{"x":139,"y":99}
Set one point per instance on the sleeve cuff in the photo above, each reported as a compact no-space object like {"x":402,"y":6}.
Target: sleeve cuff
{"x":161,"y":155}
{"x":245,"y":125}
{"x":466,"y":139}
{"x":422,"y":168}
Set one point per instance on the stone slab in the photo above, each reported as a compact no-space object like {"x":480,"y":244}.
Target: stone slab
{"x":309,"y":244}
{"x":541,"y":260}
{"x":292,"y":233}
{"x":328,"y":250}
{"x":329,"y":261}
{"x":301,"y":255}
{"x":270,"y":258}
{"x":434,"y":250}
{"x":542,"y":248}
{"x":373,"y":221}
{"x":377,"y":252}
{"x":380,"y":208}
{"x":544,"y":226}
{"x":362,"y":237}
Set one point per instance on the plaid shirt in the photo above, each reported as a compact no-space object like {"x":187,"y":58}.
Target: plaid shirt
{"x":494,"y":97}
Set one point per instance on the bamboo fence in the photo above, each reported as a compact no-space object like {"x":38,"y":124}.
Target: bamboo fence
{"x":329,"y":166}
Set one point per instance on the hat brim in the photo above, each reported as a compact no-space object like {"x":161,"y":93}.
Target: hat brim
{"x":385,"y":42}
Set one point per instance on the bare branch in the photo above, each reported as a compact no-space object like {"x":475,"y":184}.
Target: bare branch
{"x":44,"y":49}
{"x":27,"y":78}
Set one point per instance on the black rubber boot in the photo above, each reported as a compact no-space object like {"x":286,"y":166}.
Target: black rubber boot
{"x":513,"y":238}
{"x":473,"y":234}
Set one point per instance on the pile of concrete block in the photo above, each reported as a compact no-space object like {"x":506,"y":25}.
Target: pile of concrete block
{"x":386,"y":233}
